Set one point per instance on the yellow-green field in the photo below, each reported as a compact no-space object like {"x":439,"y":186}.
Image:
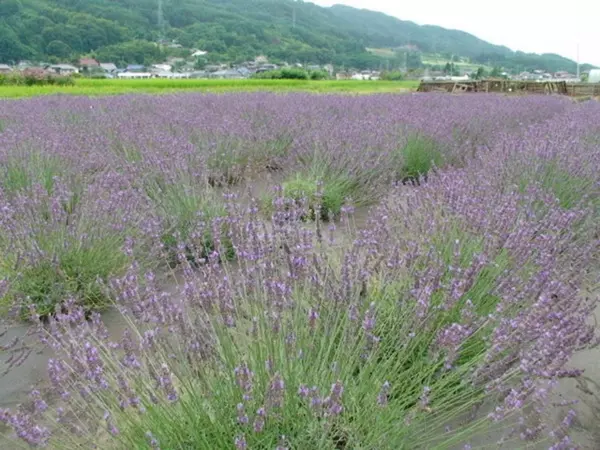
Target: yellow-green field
{"x":155,"y":86}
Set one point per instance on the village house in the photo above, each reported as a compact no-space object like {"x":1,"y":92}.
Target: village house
{"x":25,"y":65}
{"x":170,"y":75}
{"x":64,"y":69}
{"x":108,"y":67}
{"x":230,"y":74}
{"x":266,"y":68}
{"x":343,"y":76}
{"x":198,"y":74}
{"x":88,"y":63}
{"x":161,"y":68}
{"x":213,"y":68}
{"x":563,"y":75}
{"x":187,"y":67}
{"x":4,"y":68}
{"x":135,"y":68}
{"x":134,"y":75}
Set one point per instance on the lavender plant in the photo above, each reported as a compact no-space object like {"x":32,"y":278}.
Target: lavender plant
{"x":416,"y":158}
{"x":60,"y":244}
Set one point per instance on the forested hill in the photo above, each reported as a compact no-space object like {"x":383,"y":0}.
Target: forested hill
{"x":234,"y":30}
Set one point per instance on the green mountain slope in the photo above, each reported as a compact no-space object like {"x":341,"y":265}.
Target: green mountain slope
{"x":234,"y":30}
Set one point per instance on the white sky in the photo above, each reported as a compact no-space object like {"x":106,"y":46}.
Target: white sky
{"x":537,"y":26}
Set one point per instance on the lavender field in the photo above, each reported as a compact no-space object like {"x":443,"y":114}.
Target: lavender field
{"x":262,"y":271}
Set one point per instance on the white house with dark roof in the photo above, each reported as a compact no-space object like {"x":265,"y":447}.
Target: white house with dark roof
{"x":134,"y":75}
{"x":108,"y":67}
{"x":64,"y":69}
{"x":4,"y":68}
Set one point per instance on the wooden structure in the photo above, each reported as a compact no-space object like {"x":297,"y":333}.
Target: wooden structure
{"x":511,"y":86}
{"x":584,"y":90}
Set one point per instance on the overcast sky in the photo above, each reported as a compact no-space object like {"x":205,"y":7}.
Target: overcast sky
{"x":538,"y":26}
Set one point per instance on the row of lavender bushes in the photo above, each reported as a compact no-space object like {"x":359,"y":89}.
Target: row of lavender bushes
{"x":80,"y":176}
{"x":456,"y":307}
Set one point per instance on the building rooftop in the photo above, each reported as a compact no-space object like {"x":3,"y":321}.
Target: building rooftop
{"x":110,"y":67}
{"x":63,"y":67}
{"x":88,"y":62}
{"x":135,"y":67}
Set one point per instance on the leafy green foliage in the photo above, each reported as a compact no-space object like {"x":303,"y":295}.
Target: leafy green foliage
{"x":73,"y":273}
{"x":326,"y":195}
{"x":392,"y":76}
{"x":283,"y":74}
{"x":22,"y":173}
{"x":417,"y":157}
{"x":183,"y":206}
{"x":138,"y":52}
{"x":292,"y":74}
{"x":34,"y":79}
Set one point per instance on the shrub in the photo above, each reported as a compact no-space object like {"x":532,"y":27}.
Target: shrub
{"x":292,"y":74}
{"x":74,"y":270}
{"x":192,"y":218}
{"x":319,"y":75}
{"x":35,"y":78}
{"x":417,"y":157}
{"x":392,"y":76}
{"x":327,"y":196}
{"x":570,"y":190}
{"x":283,"y":74}
{"x":20,"y":172}
{"x":227,"y":158}
{"x":61,"y":244}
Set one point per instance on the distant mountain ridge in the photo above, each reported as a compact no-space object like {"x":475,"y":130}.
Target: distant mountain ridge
{"x":124,"y":31}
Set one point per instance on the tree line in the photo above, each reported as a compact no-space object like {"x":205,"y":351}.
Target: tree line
{"x":126,"y":31}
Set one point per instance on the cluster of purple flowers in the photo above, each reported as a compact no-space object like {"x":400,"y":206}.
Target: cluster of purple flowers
{"x":466,"y":293}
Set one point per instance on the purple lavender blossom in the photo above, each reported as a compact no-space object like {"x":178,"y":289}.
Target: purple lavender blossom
{"x":276,"y":392}
{"x":240,"y":443}
{"x":333,"y":402}
{"x":152,"y":441}
{"x":244,"y":376}
{"x":259,"y":420}
{"x":241,"y":413}
{"x":166,"y":383}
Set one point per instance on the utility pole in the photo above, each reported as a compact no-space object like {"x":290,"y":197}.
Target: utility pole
{"x":294,"y":15}
{"x":161,"y":20}
{"x":578,"y":67}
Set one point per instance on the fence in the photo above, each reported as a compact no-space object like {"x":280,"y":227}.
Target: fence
{"x":512,"y":86}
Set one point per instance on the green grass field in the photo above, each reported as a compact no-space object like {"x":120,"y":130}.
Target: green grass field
{"x":156,"y":86}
